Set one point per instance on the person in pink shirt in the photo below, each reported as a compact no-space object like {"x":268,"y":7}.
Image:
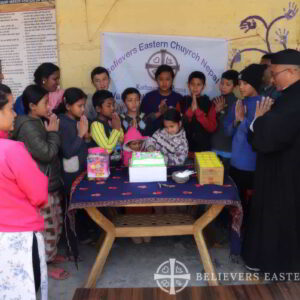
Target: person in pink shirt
{"x":47,"y":76}
{"x":23,"y":192}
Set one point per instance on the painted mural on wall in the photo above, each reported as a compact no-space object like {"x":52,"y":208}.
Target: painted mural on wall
{"x":254,"y":21}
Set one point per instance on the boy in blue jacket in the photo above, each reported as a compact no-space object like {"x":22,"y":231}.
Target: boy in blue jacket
{"x":237,"y":123}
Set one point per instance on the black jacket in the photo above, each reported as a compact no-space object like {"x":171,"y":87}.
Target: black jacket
{"x":43,"y":147}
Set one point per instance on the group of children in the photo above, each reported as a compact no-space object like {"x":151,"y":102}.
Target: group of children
{"x":57,"y":127}
{"x":175,"y":124}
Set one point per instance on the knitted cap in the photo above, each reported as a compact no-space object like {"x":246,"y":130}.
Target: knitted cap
{"x":133,"y":135}
{"x":253,"y":75}
{"x":286,"y":57}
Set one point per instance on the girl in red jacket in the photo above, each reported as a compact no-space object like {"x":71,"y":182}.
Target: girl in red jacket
{"x":23,"y":192}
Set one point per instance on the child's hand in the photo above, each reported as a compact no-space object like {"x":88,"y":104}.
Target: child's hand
{"x":83,"y":126}
{"x":219,"y":103}
{"x":134,"y":123}
{"x":115,"y":122}
{"x":194,"y":102}
{"x":163,"y":107}
{"x":53,"y":124}
{"x":239,"y":111}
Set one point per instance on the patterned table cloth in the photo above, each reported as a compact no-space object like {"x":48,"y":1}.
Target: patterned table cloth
{"x":117,"y":191}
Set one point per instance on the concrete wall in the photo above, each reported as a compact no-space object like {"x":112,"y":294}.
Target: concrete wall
{"x":245,"y":23}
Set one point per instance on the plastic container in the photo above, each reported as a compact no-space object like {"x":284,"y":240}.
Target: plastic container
{"x":98,"y":163}
{"x":210,"y":169}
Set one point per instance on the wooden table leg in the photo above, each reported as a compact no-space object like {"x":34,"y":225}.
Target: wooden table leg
{"x":199,"y":225}
{"x":110,"y":236}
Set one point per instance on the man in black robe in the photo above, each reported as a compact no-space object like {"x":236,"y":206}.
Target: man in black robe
{"x":272,"y":240}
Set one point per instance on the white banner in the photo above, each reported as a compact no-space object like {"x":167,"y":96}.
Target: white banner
{"x":132,"y":60}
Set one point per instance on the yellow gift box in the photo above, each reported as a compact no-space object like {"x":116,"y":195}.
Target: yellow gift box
{"x":210,"y":169}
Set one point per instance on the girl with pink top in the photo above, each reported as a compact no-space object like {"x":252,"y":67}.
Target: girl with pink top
{"x":23,"y":193}
{"x":47,"y":76}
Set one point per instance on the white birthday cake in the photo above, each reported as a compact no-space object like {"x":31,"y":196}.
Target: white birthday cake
{"x":147,"y":167}
{"x":143,"y":159}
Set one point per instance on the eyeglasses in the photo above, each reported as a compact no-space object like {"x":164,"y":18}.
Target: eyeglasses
{"x":274,"y":75}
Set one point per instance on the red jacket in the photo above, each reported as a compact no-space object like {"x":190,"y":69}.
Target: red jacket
{"x":23,"y":189}
{"x":209,"y":121}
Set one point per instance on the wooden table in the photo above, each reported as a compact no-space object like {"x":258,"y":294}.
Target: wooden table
{"x":274,"y":291}
{"x":152,"y":225}
{"x":145,"y":225}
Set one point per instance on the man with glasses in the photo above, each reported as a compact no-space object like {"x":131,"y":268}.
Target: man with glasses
{"x":272,"y":239}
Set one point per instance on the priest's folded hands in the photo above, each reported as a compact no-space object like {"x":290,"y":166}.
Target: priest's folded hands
{"x":263,"y":106}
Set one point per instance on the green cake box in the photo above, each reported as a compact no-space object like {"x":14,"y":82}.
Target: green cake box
{"x":147,"y":167}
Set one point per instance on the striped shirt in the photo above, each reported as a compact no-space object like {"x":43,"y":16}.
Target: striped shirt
{"x":102,"y":140}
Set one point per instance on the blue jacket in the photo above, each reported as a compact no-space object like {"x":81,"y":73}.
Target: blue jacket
{"x":243,"y":157}
{"x":19,"y":106}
